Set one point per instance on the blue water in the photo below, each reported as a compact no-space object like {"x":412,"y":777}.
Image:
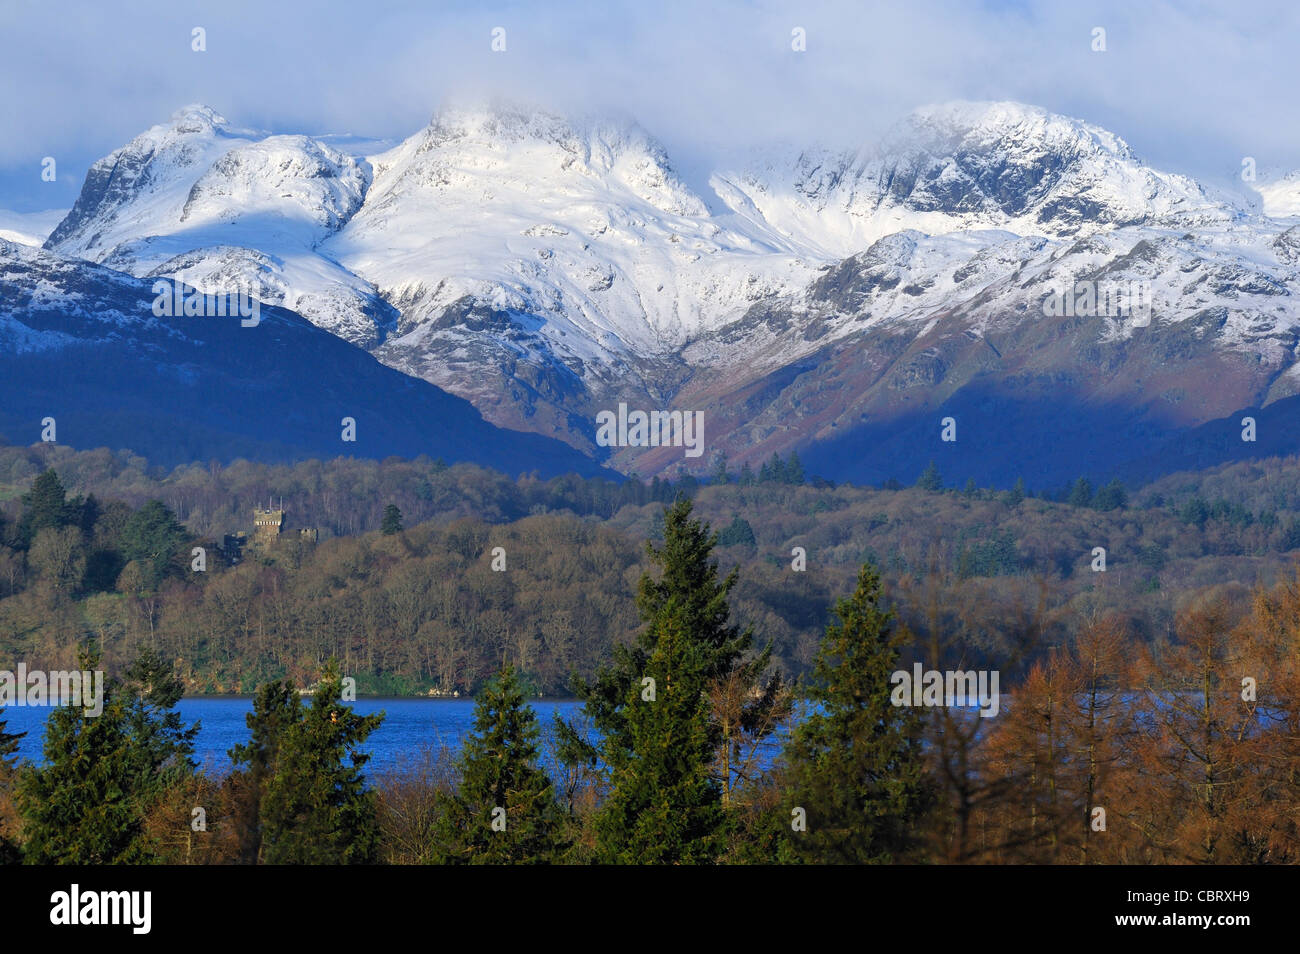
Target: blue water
{"x":410,"y":727}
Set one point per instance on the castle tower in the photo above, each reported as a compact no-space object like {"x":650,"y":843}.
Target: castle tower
{"x":267,"y":525}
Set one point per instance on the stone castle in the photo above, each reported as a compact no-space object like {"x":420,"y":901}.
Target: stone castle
{"x":268,"y":531}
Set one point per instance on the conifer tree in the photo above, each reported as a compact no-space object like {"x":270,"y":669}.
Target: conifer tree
{"x":276,"y":707}
{"x":8,"y":746}
{"x":663,"y":806}
{"x":102,"y":772}
{"x":316,"y":808}
{"x":720,"y":475}
{"x":1016,"y":494}
{"x":930,"y":479}
{"x":392,"y":522}
{"x":1080,"y":493}
{"x":854,"y":765}
{"x":153,"y":536}
{"x":504,"y":810}
{"x":8,"y":771}
{"x":690,"y":590}
{"x":44,"y":505}
{"x":794,"y":470}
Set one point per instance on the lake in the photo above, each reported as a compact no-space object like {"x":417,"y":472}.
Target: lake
{"x":410,"y":726}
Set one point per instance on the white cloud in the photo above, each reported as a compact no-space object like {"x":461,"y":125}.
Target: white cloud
{"x":1192,"y":87}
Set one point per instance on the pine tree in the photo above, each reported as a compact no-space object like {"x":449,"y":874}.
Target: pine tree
{"x":153,"y":536}
{"x":276,"y":708}
{"x":1291,"y":538}
{"x":45,"y":505}
{"x":930,"y":479}
{"x":8,"y":746}
{"x":1016,"y":494}
{"x":737,"y":532}
{"x":1080,"y":493}
{"x":720,"y":475}
{"x":392,"y":522}
{"x":316,"y":808}
{"x":9,"y":853}
{"x":504,"y":811}
{"x":1111,"y":497}
{"x":746,"y":478}
{"x":663,"y":806}
{"x":690,"y":590}
{"x":855,"y":763}
{"x":86,"y":804}
{"x":794,"y":470}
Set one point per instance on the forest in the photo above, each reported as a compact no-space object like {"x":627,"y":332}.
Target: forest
{"x":1108,"y":749}
{"x":96,"y":545}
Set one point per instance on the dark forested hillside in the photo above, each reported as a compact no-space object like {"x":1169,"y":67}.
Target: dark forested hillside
{"x":473,"y":569}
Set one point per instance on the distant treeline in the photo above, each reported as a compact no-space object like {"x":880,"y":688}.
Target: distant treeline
{"x":418,"y":600}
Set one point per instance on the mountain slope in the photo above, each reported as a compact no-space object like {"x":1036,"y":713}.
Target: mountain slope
{"x":81,"y":344}
{"x":547,"y":269}
{"x":220,"y":205}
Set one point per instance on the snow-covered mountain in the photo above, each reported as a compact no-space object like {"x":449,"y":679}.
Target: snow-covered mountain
{"x":963,"y":166}
{"x":29,"y":228}
{"x":224,"y":206}
{"x":83,"y":344}
{"x":546,"y":268}
{"x":1280,"y":197}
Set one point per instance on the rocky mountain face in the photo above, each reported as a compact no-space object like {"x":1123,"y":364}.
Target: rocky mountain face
{"x":1073,"y":310}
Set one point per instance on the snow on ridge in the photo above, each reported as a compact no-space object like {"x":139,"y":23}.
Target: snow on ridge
{"x":584,"y":225}
{"x":1280,"y":197}
{"x":29,"y":228}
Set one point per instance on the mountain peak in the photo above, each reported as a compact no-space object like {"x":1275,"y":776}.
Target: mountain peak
{"x":968,"y":122}
{"x":500,"y":122}
{"x":198,"y":116}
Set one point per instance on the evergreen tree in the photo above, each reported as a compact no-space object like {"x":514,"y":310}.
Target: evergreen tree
{"x":746,"y":475}
{"x":1111,"y":497}
{"x":164,"y":745}
{"x":1080,"y":493}
{"x":930,"y":479}
{"x":970,"y":489}
{"x":689,"y":589}
{"x":392,"y":522}
{"x":720,"y":475}
{"x":794,"y":470}
{"x":153,"y":536}
{"x":1196,"y":511}
{"x":9,"y":853}
{"x":8,"y":746}
{"x":663,"y":806}
{"x":1291,"y":538}
{"x":504,"y":811}
{"x":315,"y":808}
{"x":86,"y":804}
{"x":276,"y":708}
{"x":45,"y":505}
{"x":855,"y":763}
{"x":1016,"y":494}
{"x":737,"y":532}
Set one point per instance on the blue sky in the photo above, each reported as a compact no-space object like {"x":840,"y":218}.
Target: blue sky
{"x":1193,"y":87}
